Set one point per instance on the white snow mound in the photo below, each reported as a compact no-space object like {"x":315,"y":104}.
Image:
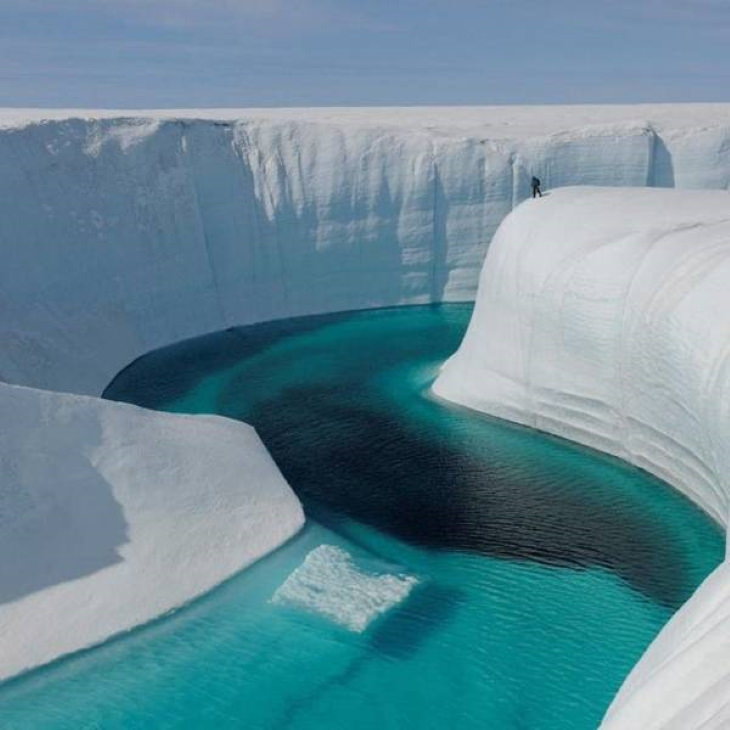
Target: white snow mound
{"x":111,"y":515}
{"x":329,"y":583}
{"x":602,"y":317}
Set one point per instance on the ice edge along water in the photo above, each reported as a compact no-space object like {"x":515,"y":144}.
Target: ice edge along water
{"x":113,"y":515}
{"x":125,"y":231}
{"x":599,"y":318}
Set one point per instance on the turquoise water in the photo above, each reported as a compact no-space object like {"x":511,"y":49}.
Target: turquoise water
{"x":545,"y":569}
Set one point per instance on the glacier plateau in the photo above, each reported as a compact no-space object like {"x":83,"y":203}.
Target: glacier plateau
{"x":600,"y":318}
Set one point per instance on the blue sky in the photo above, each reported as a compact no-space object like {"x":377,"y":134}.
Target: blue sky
{"x":166,"y":53}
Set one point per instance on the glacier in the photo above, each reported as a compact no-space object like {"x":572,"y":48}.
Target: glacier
{"x":124,"y":231}
{"x":600,"y":319}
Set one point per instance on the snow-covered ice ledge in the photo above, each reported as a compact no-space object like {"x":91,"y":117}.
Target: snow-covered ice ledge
{"x":602,"y":317}
{"x":113,"y":515}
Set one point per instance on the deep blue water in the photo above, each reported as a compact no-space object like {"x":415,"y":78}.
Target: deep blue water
{"x":545,"y":569}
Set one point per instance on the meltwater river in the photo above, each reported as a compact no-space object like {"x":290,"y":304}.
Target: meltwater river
{"x":544,"y":569}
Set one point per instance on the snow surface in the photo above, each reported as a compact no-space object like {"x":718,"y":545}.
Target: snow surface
{"x":125,"y":231}
{"x":111,"y":515}
{"x":601,"y":318}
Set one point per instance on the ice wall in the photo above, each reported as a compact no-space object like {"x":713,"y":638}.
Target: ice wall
{"x":112,"y":515}
{"x":601,"y":317}
{"x":120,"y":233}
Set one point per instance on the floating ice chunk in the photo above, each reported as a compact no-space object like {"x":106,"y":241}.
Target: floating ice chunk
{"x":329,"y":583}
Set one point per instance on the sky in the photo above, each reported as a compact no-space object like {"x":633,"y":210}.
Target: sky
{"x":248,"y":53}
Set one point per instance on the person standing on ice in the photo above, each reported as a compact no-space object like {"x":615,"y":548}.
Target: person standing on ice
{"x":536,"y":187}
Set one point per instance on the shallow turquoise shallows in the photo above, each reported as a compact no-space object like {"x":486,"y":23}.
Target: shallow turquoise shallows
{"x":544,"y":569}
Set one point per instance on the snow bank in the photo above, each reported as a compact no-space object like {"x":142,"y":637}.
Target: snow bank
{"x":601,"y":318}
{"x":125,"y":231}
{"x":111,"y":515}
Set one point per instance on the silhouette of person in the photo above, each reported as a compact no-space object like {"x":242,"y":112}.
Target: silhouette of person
{"x":536,"y":187}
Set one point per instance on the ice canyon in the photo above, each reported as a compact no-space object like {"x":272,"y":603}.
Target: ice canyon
{"x":596,"y":319}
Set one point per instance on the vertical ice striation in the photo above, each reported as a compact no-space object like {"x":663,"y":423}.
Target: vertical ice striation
{"x":124,"y":233}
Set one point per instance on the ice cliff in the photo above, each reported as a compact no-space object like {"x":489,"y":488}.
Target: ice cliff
{"x":112,"y":515}
{"x":601,"y":317}
{"x":123,"y":232}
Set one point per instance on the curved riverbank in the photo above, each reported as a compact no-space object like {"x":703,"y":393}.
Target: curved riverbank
{"x":599,"y":318}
